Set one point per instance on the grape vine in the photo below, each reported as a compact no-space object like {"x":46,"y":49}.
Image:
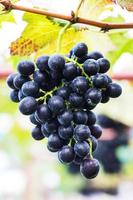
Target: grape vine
{"x":103,"y":25}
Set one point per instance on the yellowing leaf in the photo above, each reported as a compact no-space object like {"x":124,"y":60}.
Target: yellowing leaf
{"x":39,"y":32}
{"x":93,"y":8}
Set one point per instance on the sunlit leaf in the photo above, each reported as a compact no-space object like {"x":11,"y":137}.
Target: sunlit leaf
{"x":122,"y":44}
{"x":6,"y":17}
{"x":128,"y":4}
{"x":39,"y":32}
{"x":93,"y":8}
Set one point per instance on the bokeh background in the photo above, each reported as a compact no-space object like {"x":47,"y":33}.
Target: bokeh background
{"x":28,"y":171}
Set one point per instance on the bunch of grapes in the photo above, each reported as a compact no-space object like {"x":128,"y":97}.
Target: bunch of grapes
{"x":59,"y":93}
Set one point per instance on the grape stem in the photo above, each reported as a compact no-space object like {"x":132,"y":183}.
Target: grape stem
{"x":103,"y":25}
{"x":90,"y":143}
{"x":78,"y":8}
{"x":50,"y":93}
{"x":63,"y":30}
{"x":80,"y":66}
{"x":60,"y":36}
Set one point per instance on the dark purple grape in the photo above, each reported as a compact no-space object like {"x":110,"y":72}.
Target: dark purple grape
{"x":80,"y":50}
{"x":89,"y":168}
{"x":37,"y":134}
{"x":28,"y":105}
{"x":81,"y":132}
{"x":26,"y":68}
{"x":91,"y":67}
{"x":66,"y":155}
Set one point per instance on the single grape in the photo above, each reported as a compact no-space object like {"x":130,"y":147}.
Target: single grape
{"x":100,"y":81}
{"x":28,"y":105}
{"x":70,"y":71}
{"x":56,"y":62}
{"x":93,"y":95}
{"x":51,"y":126}
{"x":65,"y":118}
{"x":56,"y":104}
{"x":79,"y":85}
{"x":64,"y":92}
{"x":105,"y":97}
{"x":14,"y":96}
{"x":80,"y":117}
{"x":19,"y":80}
{"x":44,"y":131}
{"x":42,"y":63}
{"x":34,"y":120}
{"x":91,"y":67}
{"x":80,"y":49}
{"x":95,"y":55}
{"x":66,"y":155}
{"x":82,"y":149}
{"x":26,"y":68}
{"x":52,"y":149}
{"x":114,"y":90}
{"x":55,"y":142}
{"x":65,"y":132}
{"x":91,"y":118}
{"x":89,"y":168}
{"x":37,"y":134}
{"x":76,"y":100}
{"x":30,"y":88}
{"x":81,"y":132}
{"x":40,"y":77}
{"x":104,"y":65}
{"x":96,"y":131}
{"x":10,"y":80}
{"x":43,"y":113}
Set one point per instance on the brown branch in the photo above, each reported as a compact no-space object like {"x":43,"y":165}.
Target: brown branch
{"x":103,"y":25}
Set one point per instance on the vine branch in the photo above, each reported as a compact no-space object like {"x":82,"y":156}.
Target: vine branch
{"x":103,"y":25}
{"x":78,"y":8}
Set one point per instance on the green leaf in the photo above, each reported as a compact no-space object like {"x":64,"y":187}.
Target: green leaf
{"x":122,"y":44}
{"x":6,"y":17}
{"x":118,"y":19}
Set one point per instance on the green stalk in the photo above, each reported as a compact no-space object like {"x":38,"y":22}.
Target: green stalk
{"x":90,"y":143}
{"x":60,"y":36}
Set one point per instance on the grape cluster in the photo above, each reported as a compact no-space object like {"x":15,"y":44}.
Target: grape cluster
{"x":59,"y":93}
